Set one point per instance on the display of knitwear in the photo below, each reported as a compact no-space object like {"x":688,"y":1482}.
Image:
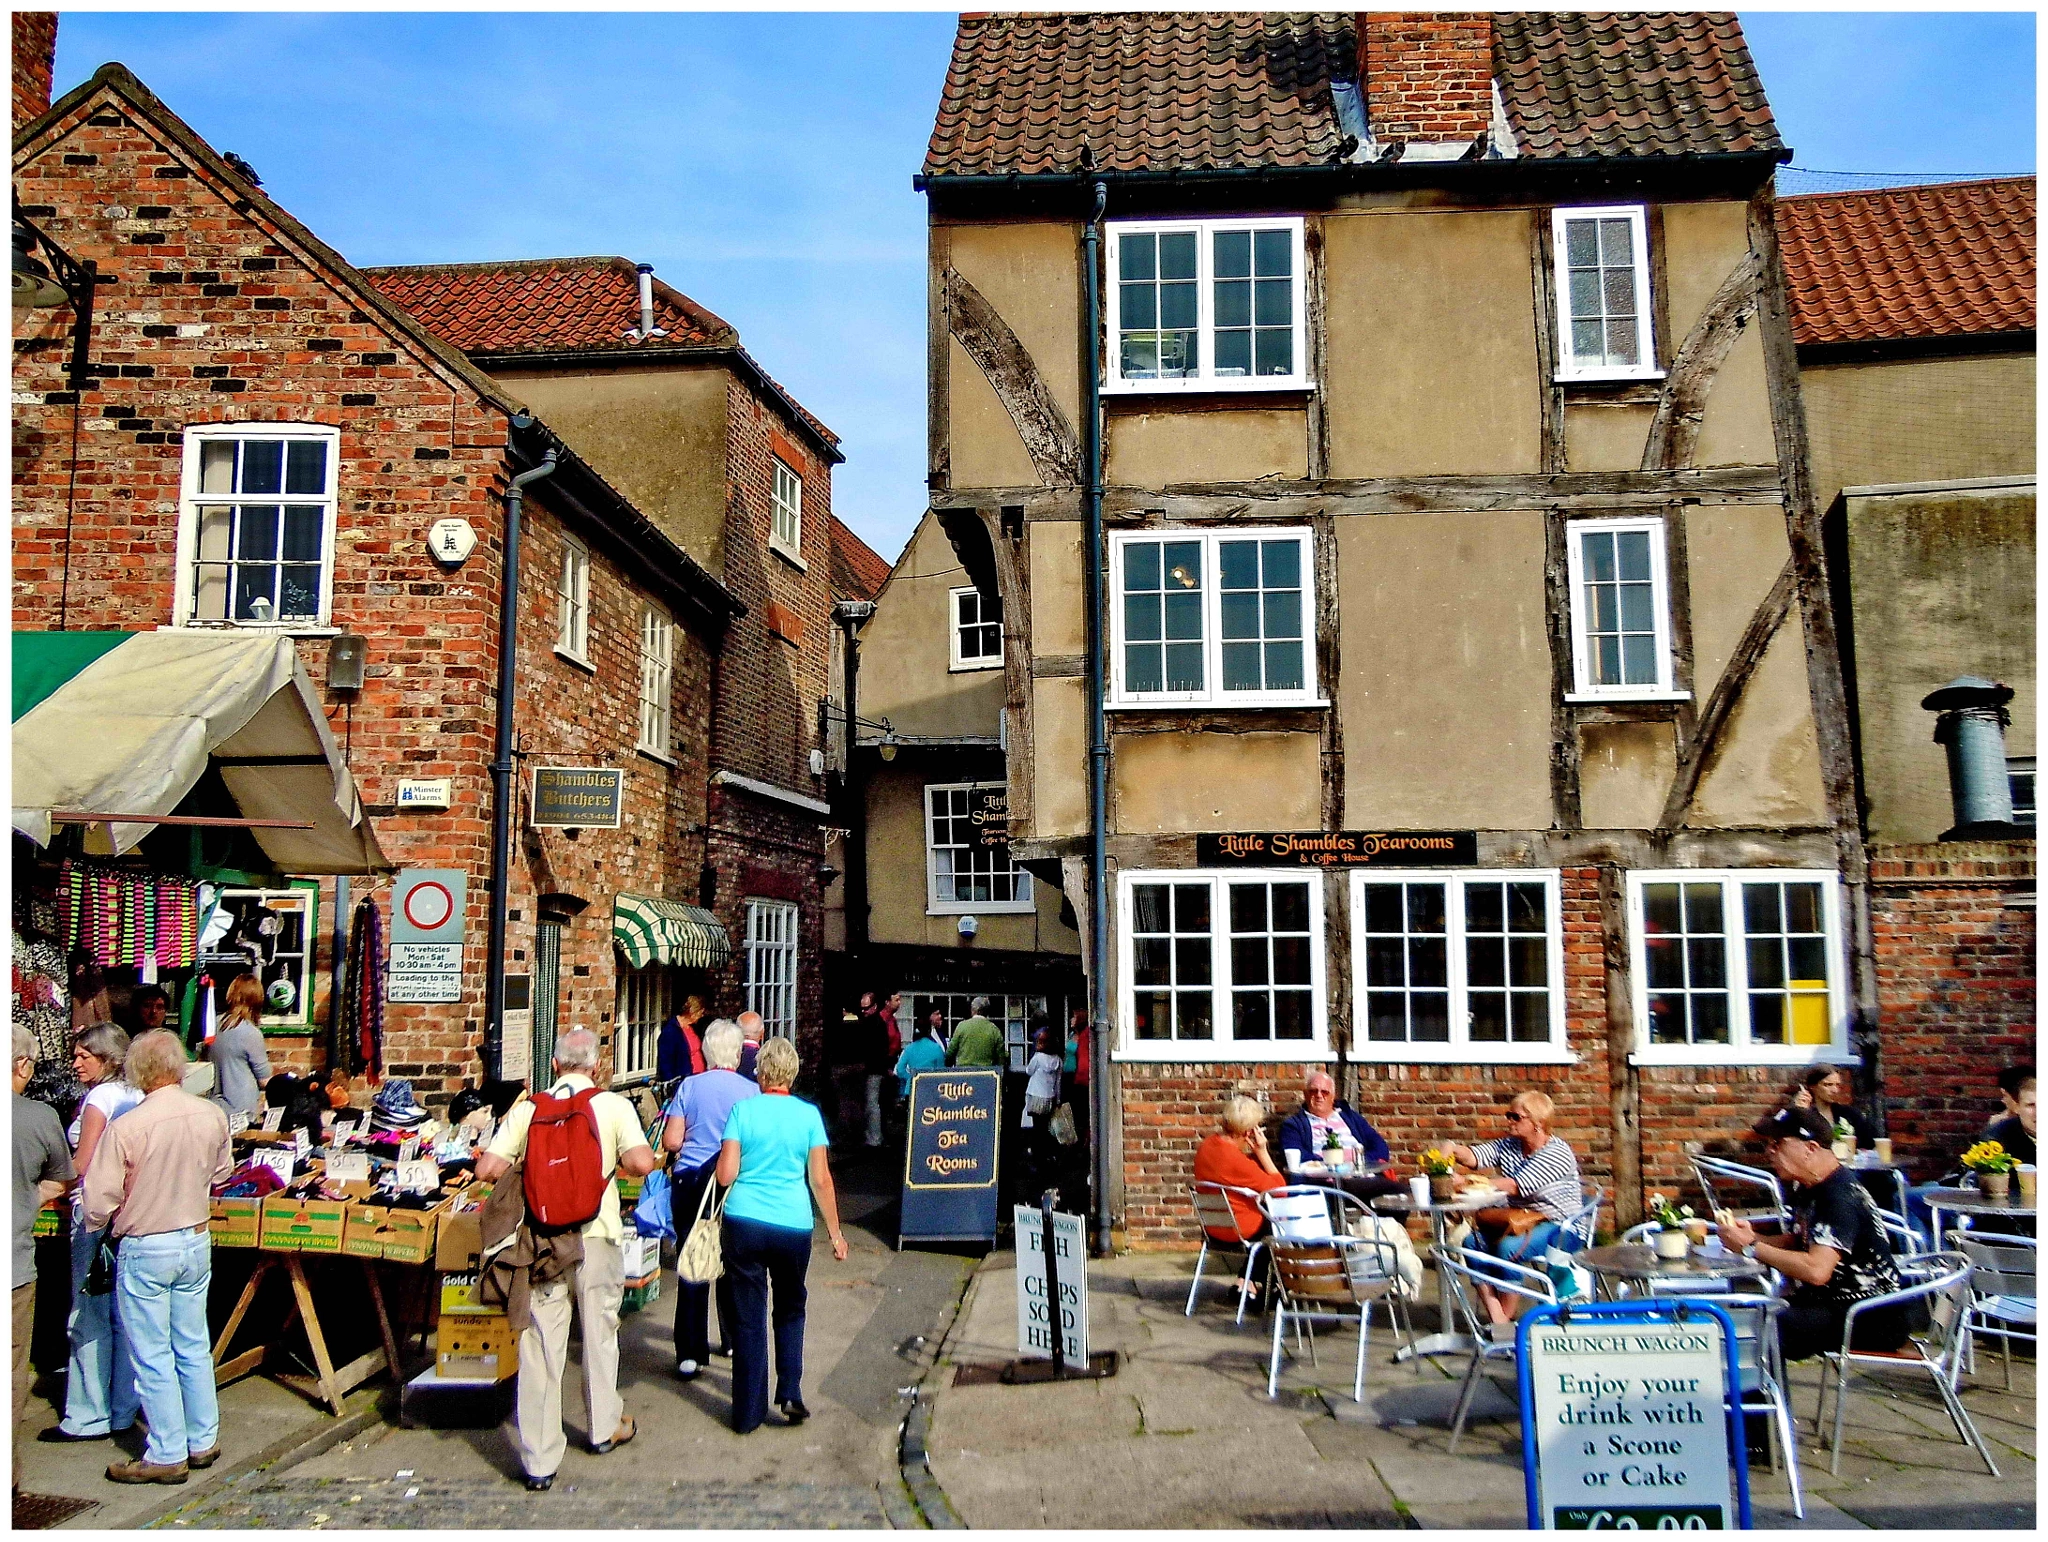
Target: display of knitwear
{"x":362,"y":1015}
{"x":121,"y":916}
{"x":42,"y":1004}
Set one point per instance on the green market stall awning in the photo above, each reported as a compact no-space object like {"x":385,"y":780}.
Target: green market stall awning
{"x":649,"y":930}
{"x":128,"y":722}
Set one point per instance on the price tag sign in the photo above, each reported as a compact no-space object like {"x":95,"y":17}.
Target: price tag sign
{"x":344,"y":1165}
{"x":237,"y":1123}
{"x":279,"y":1162}
{"x":419,"y":1177}
{"x":272,"y":1118}
{"x":408,"y":1148}
{"x":302,"y":1141}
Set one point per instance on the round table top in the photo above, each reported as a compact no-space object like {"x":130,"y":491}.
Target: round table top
{"x":1458,"y":1204}
{"x":1635,"y":1261}
{"x":1976,"y":1202}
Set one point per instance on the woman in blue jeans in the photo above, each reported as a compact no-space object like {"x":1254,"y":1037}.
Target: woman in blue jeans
{"x":773,"y":1161}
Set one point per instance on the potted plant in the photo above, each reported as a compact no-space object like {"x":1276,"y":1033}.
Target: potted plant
{"x":1671,"y":1240}
{"x":1845,"y":1141}
{"x":1993,"y":1166}
{"x":1439,"y":1166}
{"x":1333,"y":1150}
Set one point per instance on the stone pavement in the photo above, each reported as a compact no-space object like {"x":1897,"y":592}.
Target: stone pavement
{"x":1184,"y":1436}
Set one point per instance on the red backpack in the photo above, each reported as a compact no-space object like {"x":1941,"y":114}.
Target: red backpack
{"x":565,"y":1172}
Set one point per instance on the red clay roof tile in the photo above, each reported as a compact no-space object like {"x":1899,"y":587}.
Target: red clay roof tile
{"x":858,"y":571}
{"x":1948,"y":260}
{"x":543,"y":306}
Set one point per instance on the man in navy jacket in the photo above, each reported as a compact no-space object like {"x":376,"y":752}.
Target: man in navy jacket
{"x":1320,"y":1110}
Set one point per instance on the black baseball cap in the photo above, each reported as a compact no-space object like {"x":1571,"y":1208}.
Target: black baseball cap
{"x":1796,"y":1124}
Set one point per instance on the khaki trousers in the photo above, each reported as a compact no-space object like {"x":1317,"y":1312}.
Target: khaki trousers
{"x":24,"y":1377}
{"x":596,"y":1290}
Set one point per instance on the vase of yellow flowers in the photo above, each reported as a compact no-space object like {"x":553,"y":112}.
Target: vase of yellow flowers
{"x":1440,"y":1167}
{"x":1670,"y":1240}
{"x":1993,"y":1166}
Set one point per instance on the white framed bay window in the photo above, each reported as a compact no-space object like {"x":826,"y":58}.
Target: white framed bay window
{"x":1221,"y":965}
{"x":1206,"y":305}
{"x":1738,"y":968}
{"x":966,"y":872}
{"x":1458,"y":966}
{"x":1213,"y":618}
{"x":1602,"y":258}
{"x":256,"y":525}
{"x":1620,"y":610}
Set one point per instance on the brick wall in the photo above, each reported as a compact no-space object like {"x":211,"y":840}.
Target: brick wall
{"x":1426,"y":74}
{"x":760,"y":849}
{"x":1954,"y":927}
{"x":35,"y":55}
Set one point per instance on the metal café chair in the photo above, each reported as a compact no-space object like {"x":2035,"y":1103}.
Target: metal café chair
{"x":1762,"y":1370}
{"x":1321,"y":1271}
{"x":1942,"y":1280}
{"x":1213,"y":1209}
{"x":1725,"y":1182}
{"x":1465,"y":1270}
{"x":2001,"y":1289}
{"x":1576,"y":1234}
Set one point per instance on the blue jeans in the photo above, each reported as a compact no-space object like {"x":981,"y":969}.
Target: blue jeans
{"x":99,"y":1388}
{"x":1530,"y":1246}
{"x":160,"y":1288}
{"x":757,"y":1255}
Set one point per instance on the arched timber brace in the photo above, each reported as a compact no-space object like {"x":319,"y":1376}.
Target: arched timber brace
{"x":1682,"y":405}
{"x":1697,"y":754}
{"x":1049,"y":439}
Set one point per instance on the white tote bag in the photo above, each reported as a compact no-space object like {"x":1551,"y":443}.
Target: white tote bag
{"x":701,"y":1260}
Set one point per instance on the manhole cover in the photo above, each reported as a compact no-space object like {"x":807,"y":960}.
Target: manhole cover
{"x":39,"y":1512}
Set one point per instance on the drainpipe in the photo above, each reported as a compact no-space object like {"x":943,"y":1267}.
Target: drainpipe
{"x":851,"y":614}
{"x":501,"y":766}
{"x":1098,"y":728}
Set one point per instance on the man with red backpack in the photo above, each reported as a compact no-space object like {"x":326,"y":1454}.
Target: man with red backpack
{"x":573,"y":1140}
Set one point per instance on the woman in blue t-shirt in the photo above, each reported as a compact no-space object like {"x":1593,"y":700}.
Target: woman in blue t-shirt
{"x":773,"y":1161}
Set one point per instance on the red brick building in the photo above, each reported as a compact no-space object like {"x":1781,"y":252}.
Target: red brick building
{"x":236,"y":359}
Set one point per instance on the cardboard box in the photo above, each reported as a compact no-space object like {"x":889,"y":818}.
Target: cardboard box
{"x":235,"y":1222}
{"x":479,"y":1346}
{"x":640,"y":1294}
{"x":292,"y":1225}
{"x":458,"y":1295}
{"x":639,"y":1256}
{"x":408,"y":1235}
{"x":364,"y":1236}
{"x":50,"y":1223}
{"x":461,"y":1239}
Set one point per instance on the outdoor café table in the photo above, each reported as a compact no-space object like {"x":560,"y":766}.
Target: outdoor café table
{"x":1441,"y":1213}
{"x":1632,"y":1261}
{"x":1973,"y":1202}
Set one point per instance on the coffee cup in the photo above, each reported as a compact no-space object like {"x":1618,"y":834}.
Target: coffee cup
{"x":1696,"y":1232}
{"x":2027,"y":1179}
{"x":1293,"y":1160}
{"x":1418,"y":1191}
{"x":1884,"y":1149}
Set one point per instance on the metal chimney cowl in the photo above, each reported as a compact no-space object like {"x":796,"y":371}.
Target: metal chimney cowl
{"x":1971,"y":727}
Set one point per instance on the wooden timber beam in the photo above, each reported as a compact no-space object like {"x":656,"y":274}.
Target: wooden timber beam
{"x":1049,"y":439}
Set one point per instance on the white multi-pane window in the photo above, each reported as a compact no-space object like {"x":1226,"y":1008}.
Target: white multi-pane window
{"x":1603,"y":293}
{"x":2019,"y":777}
{"x":643,"y":1003}
{"x":657,"y":671}
{"x":1013,"y":1014}
{"x":1457,"y":966}
{"x":1737,"y":966}
{"x":572,"y":602}
{"x":1620,"y":608}
{"x":1205,"y":618}
{"x":966,"y":871}
{"x":786,"y":507}
{"x":771,"y":964}
{"x":1206,"y":305}
{"x":1221,"y":963}
{"x":274,"y":930}
{"x":256,"y":536}
{"x":977,"y":629}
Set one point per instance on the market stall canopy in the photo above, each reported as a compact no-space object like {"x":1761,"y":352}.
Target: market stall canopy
{"x":649,"y":930}
{"x":128,"y":722}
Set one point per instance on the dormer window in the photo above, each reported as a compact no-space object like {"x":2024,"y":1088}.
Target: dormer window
{"x":1602,"y":261}
{"x":1206,"y":305}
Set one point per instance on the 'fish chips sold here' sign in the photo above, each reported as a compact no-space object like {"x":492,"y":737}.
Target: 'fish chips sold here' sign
{"x":1626,"y":1421}
{"x":949,"y":1164}
{"x":1036,"y":1310}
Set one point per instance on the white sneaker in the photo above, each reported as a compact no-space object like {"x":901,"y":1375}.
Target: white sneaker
{"x":686,"y":1368}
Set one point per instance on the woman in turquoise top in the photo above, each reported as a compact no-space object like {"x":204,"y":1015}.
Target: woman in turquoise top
{"x":773,"y":1162}
{"x":926,"y":1053}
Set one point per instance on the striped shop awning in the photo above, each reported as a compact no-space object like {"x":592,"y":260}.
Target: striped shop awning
{"x":649,"y":930}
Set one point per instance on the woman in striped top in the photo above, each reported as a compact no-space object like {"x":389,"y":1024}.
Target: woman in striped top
{"x":1538,"y":1171}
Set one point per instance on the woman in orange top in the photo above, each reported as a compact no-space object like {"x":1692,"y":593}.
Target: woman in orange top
{"x":1238,"y":1156}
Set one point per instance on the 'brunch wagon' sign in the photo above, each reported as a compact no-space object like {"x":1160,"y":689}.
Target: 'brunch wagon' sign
{"x":1339,"y":848}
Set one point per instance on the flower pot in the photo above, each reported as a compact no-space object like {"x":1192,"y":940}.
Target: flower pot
{"x":1995,"y":1185}
{"x":1440,"y":1186}
{"x":1845,"y":1150}
{"x":1671,"y":1245}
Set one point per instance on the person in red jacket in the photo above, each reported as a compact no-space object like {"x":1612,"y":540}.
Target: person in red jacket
{"x":1238,"y":1156}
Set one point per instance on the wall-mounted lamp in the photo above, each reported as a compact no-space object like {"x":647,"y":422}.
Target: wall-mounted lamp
{"x":347,"y":655}
{"x":52,"y":279}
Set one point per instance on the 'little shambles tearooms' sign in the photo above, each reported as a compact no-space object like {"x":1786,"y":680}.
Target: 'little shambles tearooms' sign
{"x":949,"y":1167}
{"x":1339,"y":848}
{"x":988,"y":811}
{"x":1626,"y":1423}
{"x":578,"y":797}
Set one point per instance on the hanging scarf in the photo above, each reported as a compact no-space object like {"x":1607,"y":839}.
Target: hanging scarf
{"x":363,"y":1002}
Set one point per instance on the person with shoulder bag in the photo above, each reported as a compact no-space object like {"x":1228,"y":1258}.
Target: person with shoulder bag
{"x":572,"y":1142}
{"x":693,"y":1131}
{"x":1540,"y":1175}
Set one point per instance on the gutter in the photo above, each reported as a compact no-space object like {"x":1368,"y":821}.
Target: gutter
{"x":1881,"y":350}
{"x":1098,"y":728}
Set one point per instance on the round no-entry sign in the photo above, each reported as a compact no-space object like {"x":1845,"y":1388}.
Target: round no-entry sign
{"x":429,"y":905}
{"x":426,"y":905}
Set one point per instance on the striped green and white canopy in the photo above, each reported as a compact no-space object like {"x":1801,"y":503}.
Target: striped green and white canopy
{"x":649,"y":930}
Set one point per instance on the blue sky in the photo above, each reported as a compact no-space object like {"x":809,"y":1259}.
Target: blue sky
{"x":762,"y":161}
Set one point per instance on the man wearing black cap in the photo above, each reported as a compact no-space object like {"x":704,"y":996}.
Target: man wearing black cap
{"x":1837,"y":1254}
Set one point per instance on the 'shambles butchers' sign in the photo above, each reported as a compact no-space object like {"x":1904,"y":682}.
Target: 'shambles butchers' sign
{"x":1339,"y":848}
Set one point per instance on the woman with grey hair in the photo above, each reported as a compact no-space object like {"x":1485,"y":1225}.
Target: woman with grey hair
{"x":100,"y":1399}
{"x":693,"y":1130}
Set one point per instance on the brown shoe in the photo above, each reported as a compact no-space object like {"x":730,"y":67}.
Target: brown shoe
{"x":625,"y":1432}
{"x":199,"y":1461}
{"x":146,"y":1472}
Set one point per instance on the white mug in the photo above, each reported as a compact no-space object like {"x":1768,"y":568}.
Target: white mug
{"x":1418,"y":1191}
{"x":1293,"y":1160}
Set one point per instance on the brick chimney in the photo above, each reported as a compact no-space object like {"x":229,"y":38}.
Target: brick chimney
{"x":35,"y":59}
{"x":1426,"y":75}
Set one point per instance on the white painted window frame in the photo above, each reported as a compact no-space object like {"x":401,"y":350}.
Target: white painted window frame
{"x":1459,"y":1049}
{"x":1584,"y":686}
{"x":1026,"y":902}
{"x":657,"y":681}
{"x":191,"y":498}
{"x":957,"y":627}
{"x":785,"y":508}
{"x":2016,"y":768}
{"x":572,"y":603}
{"x":1214,"y":696}
{"x":772,"y":927}
{"x":1568,"y":366}
{"x":642,"y":1003}
{"x":1113,"y":382}
{"x":305,"y":897}
{"x":1222,"y":1048}
{"x":1739,"y":1051}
